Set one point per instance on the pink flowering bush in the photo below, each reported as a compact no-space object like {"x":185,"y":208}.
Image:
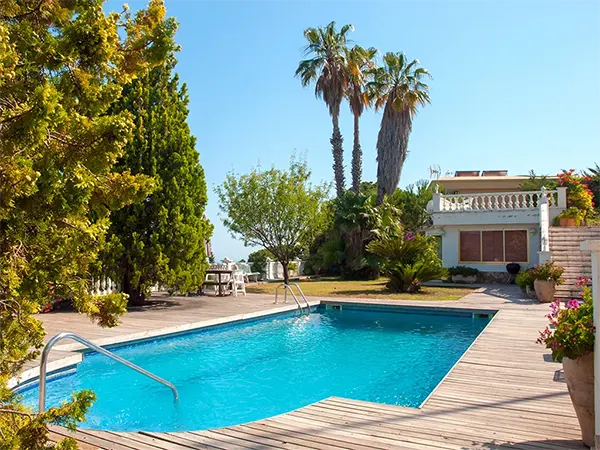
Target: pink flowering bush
{"x":571,"y":330}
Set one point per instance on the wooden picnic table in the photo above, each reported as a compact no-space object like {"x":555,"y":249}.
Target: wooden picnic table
{"x":219,"y":273}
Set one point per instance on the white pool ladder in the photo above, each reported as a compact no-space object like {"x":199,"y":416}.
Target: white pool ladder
{"x":288,"y":287}
{"x":83,"y":341}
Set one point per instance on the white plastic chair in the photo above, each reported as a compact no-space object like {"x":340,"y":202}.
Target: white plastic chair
{"x":212,"y":277}
{"x":237,"y":283}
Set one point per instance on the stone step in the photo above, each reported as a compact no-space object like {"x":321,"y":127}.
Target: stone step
{"x":571,"y":256}
{"x":558,"y":254}
{"x":567,"y":242}
{"x":575,"y":232}
{"x":570,"y":262}
{"x":574,"y":229}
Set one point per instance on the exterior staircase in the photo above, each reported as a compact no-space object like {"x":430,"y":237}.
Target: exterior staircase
{"x":565,"y":248}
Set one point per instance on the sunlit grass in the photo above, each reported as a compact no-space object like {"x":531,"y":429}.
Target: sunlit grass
{"x":334,"y":287}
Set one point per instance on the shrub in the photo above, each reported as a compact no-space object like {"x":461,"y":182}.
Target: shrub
{"x":579,"y":195}
{"x":462,"y":270}
{"x":571,"y":330}
{"x":258,"y":260}
{"x":547,"y":272}
{"x":524,"y":279}
{"x":408,"y":261}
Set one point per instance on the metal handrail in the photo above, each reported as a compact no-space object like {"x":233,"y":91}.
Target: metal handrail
{"x":287,"y":287}
{"x":302,"y":294}
{"x":83,"y":341}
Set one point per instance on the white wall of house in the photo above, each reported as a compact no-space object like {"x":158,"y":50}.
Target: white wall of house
{"x":520,"y":210}
{"x":450,"y":244}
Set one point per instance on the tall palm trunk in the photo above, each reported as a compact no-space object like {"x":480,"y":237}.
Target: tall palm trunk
{"x":392,"y":148}
{"x":356,"y":157}
{"x":338,"y":154}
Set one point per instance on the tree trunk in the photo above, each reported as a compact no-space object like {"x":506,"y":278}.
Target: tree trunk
{"x":356,"y":157}
{"x":392,"y":149}
{"x":286,"y":274}
{"x":136,"y":297}
{"x":338,"y":155}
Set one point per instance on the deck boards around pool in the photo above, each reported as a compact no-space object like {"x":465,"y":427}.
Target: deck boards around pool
{"x":501,"y":395}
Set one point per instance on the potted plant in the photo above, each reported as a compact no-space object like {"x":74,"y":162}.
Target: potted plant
{"x":545,"y":279}
{"x":570,"y":336}
{"x":463,"y":274}
{"x":571,"y":217}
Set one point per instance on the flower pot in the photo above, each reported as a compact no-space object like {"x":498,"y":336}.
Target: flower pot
{"x":464,"y":279}
{"x":545,"y":289}
{"x":579,"y":374}
{"x":567,"y":222}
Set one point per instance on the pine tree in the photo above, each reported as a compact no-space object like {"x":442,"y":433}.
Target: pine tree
{"x":160,"y":240}
{"x":62,"y":66}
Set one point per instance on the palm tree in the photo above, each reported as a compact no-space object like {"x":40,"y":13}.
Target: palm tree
{"x":328,"y":68}
{"x":359,"y":61}
{"x":396,"y":87}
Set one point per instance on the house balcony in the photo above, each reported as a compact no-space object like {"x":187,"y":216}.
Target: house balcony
{"x":496,"y":208}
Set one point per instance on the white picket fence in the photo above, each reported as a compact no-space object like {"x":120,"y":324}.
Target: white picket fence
{"x":104,"y":286}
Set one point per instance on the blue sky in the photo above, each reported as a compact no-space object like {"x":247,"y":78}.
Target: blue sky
{"x":516,"y":86}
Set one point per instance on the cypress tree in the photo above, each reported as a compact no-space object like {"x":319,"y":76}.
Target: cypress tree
{"x":162,"y":239}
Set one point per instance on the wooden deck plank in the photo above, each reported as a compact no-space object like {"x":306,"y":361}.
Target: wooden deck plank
{"x":426,"y":427}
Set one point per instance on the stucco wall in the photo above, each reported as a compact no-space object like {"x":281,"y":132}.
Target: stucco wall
{"x":450,"y":252}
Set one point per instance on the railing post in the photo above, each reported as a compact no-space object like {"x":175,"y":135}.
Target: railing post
{"x":594,"y":247}
{"x":544,"y":254}
{"x":437,"y":202}
{"x":562,"y":197}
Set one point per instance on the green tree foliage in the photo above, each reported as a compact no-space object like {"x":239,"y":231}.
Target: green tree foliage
{"x":160,"y":240}
{"x":412,"y":204}
{"x":62,"y":65}
{"x":592,"y":180}
{"x":355,"y":221}
{"x":408,"y":260}
{"x":258,"y":260}
{"x":537,"y":182}
{"x":327,"y":68}
{"x":278,"y":210}
{"x":398,"y":88}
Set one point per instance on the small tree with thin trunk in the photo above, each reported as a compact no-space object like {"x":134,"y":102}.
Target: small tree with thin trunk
{"x":278,"y":210}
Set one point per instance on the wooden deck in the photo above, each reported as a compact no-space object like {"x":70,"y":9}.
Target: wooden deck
{"x":502,"y":394}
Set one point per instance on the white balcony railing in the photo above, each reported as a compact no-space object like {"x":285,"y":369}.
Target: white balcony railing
{"x":499,"y":201}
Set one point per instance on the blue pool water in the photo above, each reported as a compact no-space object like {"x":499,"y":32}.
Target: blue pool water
{"x":250,"y":371}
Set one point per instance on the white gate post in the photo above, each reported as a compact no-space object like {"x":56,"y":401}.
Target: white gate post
{"x":594,"y":247}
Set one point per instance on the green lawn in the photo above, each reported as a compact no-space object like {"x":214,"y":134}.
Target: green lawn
{"x":334,"y":287}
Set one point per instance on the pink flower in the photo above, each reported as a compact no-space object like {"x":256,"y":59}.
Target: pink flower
{"x":573,"y":304}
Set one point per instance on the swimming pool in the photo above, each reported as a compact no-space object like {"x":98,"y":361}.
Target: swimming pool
{"x":248,"y":371}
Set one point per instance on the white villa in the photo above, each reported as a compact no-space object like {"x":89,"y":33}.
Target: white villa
{"x":485,"y":221}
